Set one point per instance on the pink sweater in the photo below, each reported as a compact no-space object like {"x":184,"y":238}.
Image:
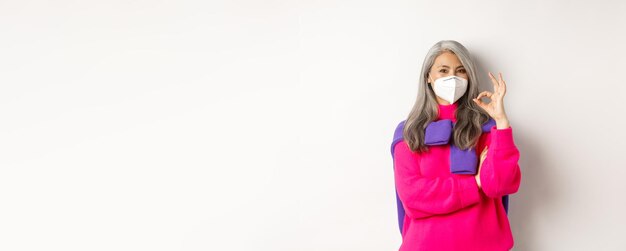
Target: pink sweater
{"x":446,"y":211}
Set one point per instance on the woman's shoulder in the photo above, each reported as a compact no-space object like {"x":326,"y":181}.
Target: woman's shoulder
{"x":403,"y":150}
{"x":398,"y":135}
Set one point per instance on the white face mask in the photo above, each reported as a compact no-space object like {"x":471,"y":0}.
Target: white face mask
{"x":450,"y":88}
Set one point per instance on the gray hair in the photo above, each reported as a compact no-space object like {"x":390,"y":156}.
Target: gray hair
{"x":469,"y":116}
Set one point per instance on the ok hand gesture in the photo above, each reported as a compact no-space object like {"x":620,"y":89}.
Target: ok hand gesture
{"x":495,"y":108}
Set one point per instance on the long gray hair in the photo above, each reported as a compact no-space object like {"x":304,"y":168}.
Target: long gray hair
{"x":469,"y":116}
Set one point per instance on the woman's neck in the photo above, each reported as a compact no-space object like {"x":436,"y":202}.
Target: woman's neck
{"x":447,"y":111}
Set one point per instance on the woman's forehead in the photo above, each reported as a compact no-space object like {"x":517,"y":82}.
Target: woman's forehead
{"x":447,"y":59}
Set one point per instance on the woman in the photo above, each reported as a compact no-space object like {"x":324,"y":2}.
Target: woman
{"x":456,"y":160}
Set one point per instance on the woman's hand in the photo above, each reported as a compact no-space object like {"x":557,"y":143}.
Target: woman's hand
{"x":483,"y":155}
{"x":495,"y":108}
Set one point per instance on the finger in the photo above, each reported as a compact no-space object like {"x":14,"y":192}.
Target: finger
{"x":499,"y":92}
{"x":483,"y":155}
{"x":494,"y":81}
{"x":501,"y":81}
{"x":503,"y":87}
{"x":479,"y":103}
{"x":478,"y":100}
{"x":485,"y":93}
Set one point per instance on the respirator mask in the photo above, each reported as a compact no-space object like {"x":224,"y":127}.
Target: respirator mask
{"x":450,"y":88}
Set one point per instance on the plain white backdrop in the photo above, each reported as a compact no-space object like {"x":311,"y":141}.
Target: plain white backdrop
{"x":266,"y":125}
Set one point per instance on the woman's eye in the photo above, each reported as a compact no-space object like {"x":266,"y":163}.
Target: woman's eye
{"x":462,"y":70}
{"x":443,"y":70}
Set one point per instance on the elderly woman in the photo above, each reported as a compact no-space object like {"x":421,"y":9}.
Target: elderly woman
{"x":455,"y":161}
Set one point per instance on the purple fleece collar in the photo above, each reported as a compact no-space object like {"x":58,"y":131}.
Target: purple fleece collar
{"x":461,"y":161}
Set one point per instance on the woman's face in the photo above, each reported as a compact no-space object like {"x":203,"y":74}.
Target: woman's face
{"x":446,"y":64}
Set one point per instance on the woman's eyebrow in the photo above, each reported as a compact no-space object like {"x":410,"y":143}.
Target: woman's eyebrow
{"x":443,"y":65}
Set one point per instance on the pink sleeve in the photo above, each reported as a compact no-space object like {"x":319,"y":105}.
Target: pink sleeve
{"x":426,"y":196}
{"x":500,"y":173}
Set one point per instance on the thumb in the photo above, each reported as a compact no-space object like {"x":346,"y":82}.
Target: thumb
{"x":479,"y":103}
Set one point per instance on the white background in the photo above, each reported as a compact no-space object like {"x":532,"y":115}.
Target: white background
{"x":265,"y":125}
